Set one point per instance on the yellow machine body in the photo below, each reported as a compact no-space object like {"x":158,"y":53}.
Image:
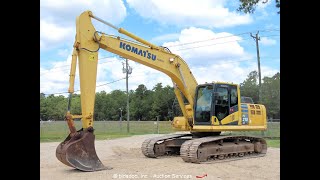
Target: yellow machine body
{"x":88,"y":42}
{"x":248,"y":117}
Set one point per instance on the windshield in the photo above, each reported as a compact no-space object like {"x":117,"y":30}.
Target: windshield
{"x":246,"y":100}
{"x":203,"y":103}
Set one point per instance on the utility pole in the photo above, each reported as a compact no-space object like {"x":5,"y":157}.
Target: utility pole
{"x":127,"y":70}
{"x":158,"y":123}
{"x":120,"y":119}
{"x":256,"y":38}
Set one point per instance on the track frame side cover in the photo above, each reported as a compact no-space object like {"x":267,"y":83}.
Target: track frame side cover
{"x":222,"y":148}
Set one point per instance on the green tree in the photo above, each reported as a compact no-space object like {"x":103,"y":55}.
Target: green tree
{"x":43,"y":107}
{"x":117,"y":99}
{"x":270,"y":95}
{"x":270,"y":92}
{"x":249,"y":6}
{"x":56,"y":107}
{"x":163,"y":99}
{"x":140,"y":105}
{"x":175,"y":109}
{"x":169,"y":99}
{"x":100,"y":106}
{"x":144,"y":104}
{"x":250,"y":87}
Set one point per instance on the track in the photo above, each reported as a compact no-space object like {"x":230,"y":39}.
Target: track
{"x":209,"y":149}
{"x":163,"y":145}
{"x":222,"y":148}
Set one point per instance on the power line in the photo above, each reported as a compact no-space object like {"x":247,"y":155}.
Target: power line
{"x":182,"y":44}
{"x":69,"y":64}
{"x":264,"y":57}
{"x":268,"y":30}
{"x":210,"y":44}
{"x":96,"y":86}
{"x":110,"y":82}
{"x":220,"y":43}
{"x":228,"y":62}
{"x":177,"y":50}
{"x":193,"y":42}
{"x":98,"y":59}
{"x":69,"y":67}
{"x":225,"y":58}
{"x":273,"y":35}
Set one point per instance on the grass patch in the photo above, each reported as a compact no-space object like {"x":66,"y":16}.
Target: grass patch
{"x":58,"y":131}
{"x":51,"y":139}
{"x":98,"y":137}
{"x":273,"y":143}
{"x":111,"y":136}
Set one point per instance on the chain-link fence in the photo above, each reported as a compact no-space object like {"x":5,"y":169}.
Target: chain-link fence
{"x":273,"y":131}
{"x":58,"y":130}
{"x":274,"y":120}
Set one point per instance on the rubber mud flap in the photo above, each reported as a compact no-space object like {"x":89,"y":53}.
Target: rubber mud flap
{"x":79,"y":152}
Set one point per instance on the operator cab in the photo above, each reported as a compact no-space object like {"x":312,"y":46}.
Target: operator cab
{"x":215,"y":99}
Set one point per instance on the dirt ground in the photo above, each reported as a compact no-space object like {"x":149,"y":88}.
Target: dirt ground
{"x":125,"y":157}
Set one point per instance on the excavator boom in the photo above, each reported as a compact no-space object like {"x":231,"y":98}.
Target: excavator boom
{"x":78,"y":150}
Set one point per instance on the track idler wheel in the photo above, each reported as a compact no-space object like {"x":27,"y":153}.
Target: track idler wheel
{"x":257,"y":147}
{"x":78,"y":151}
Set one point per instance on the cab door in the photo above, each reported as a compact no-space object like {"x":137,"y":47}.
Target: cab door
{"x":203,"y":105}
{"x":225,"y":104}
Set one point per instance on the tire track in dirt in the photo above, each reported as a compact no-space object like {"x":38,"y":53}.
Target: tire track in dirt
{"x":125,"y":157}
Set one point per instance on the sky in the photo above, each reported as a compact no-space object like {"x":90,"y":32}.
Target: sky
{"x":210,"y":35}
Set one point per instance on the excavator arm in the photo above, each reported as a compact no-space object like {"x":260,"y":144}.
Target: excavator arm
{"x":78,"y":149}
{"x":89,"y":41}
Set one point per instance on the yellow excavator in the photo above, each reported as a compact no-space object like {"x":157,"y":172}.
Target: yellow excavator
{"x":208,"y":109}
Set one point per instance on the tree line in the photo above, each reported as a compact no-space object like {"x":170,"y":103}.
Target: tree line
{"x":147,"y":104}
{"x":270,"y":92}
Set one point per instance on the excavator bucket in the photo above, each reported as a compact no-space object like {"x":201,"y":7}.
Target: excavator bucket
{"x":78,"y":151}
